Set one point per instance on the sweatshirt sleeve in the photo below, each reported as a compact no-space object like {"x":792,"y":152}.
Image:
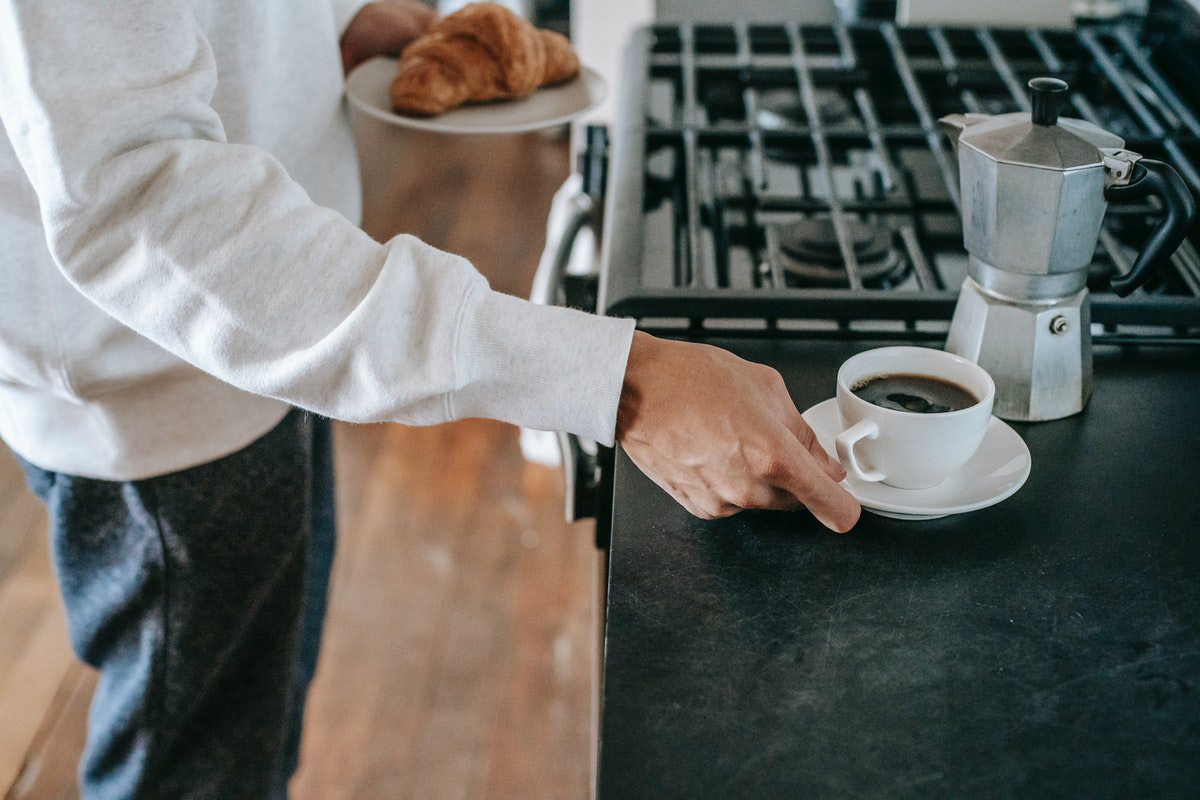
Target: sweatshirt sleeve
{"x":210,"y":249}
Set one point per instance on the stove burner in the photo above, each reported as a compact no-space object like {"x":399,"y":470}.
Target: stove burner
{"x":782,"y":108}
{"x":810,"y":255}
{"x":779,"y":109}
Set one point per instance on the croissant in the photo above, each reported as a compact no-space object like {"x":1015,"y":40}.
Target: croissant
{"x":481,"y":52}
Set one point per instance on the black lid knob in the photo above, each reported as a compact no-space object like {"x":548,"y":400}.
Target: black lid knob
{"x":1046,"y":95}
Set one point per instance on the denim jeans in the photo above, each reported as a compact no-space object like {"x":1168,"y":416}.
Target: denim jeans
{"x":199,"y":597}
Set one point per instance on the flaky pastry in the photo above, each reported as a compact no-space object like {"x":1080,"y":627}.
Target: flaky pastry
{"x":479,"y":53}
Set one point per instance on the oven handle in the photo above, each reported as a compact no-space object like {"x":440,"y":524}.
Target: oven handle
{"x":575,"y":212}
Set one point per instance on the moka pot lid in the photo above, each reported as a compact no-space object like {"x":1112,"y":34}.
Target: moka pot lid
{"x":1040,"y":138}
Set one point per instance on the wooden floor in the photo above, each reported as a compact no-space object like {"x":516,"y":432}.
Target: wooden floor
{"x":459,"y":648}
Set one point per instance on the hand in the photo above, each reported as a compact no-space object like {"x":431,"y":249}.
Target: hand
{"x":721,"y":434}
{"x":383,"y":29}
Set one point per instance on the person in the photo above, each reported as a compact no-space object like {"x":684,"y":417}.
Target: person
{"x":186,"y":300}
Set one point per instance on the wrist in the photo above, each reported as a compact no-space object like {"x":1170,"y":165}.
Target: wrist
{"x":631,"y":405}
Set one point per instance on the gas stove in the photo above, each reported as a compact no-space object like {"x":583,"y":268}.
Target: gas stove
{"x":793,"y":180}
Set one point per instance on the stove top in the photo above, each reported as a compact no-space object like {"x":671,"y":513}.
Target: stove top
{"x":785,"y":179}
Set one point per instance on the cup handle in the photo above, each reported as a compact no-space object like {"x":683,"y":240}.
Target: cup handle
{"x":863,"y":429}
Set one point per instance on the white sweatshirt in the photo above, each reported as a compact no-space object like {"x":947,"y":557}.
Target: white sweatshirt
{"x":178,"y":263}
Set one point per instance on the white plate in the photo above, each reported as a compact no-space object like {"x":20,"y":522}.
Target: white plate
{"x":367,"y":89}
{"x":998,"y":468}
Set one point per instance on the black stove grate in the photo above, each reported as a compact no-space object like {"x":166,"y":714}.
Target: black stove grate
{"x":788,"y":178}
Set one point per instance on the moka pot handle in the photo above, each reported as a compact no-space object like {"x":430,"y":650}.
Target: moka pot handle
{"x":1159,"y":179}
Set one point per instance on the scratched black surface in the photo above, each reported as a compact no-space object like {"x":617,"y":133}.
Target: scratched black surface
{"x":1048,"y":646}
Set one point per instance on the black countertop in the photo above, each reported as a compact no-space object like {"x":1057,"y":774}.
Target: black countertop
{"x":1048,"y":646}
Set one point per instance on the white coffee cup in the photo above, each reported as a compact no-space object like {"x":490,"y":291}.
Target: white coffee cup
{"x":903,"y":448}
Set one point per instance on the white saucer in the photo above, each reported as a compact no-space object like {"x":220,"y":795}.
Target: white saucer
{"x":367,"y":89}
{"x":998,"y":468}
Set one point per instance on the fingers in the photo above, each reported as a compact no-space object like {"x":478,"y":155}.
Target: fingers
{"x":827,"y":499}
{"x":714,"y":496}
{"x":794,"y":422}
{"x":784,"y":477}
{"x":808,"y":439}
{"x":802,"y":473}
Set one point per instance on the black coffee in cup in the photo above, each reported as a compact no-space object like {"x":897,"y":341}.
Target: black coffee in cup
{"x":920,"y":394}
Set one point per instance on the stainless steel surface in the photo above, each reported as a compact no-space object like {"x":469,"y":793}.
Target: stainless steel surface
{"x":1039,"y":354}
{"x":720,"y":11}
{"x":571,"y":211}
{"x":1010,"y":13}
{"x":1032,"y":196}
{"x":1032,"y":286}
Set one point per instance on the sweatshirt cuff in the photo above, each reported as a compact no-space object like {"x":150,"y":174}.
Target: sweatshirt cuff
{"x":541,"y":367}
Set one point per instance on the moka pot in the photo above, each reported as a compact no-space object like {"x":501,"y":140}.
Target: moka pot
{"x":1034,"y":189}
